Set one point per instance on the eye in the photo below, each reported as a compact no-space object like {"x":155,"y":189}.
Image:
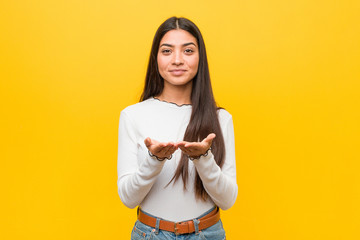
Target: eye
{"x":189,"y":50}
{"x":166,"y":51}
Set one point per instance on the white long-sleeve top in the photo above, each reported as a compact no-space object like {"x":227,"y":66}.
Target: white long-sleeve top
{"x":142,"y":179}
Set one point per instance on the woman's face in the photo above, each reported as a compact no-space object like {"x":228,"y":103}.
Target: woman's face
{"x":178,"y":57}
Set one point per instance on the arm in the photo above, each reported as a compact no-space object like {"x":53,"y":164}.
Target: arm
{"x":220,"y":183}
{"x":135,"y":176}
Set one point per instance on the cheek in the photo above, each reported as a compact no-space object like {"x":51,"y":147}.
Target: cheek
{"x":194,"y":63}
{"x":162,"y":63}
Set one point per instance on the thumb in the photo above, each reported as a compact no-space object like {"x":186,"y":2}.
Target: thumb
{"x":147,"y":142}
{"x":210,"y":138}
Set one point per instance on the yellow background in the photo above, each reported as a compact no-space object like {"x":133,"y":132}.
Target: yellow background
{"x":288,"y":72}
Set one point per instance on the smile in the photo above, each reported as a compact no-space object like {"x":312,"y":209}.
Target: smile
{"x":177,"y":72}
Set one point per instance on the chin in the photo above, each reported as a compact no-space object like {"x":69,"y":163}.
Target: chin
{"x":180,"y":83}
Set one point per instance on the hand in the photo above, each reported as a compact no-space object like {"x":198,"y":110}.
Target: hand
{"x":160,"y":150}
{"x":195,"y":149}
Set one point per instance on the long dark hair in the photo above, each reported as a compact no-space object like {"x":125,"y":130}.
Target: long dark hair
{"x":204,"y":118}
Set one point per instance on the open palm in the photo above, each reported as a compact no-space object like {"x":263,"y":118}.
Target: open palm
{"x":160,"y":149}
{"x":195,"y":149}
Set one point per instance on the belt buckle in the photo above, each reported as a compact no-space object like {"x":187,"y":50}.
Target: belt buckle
{"x":176,"y":229}
{"x":184,"y":229}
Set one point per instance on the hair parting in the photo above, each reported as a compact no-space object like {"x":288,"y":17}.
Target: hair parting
{"x":177,"y":24}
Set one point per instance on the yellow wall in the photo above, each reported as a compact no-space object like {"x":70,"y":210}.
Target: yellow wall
{"x":288,"y":71}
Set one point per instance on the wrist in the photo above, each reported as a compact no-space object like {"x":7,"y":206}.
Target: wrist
{"x":158,"y":158}
{"x":202,"y":155}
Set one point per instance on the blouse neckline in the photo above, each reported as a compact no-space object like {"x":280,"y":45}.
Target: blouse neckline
{"x":172,"y":103}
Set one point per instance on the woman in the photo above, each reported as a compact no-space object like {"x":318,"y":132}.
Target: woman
{"x":176,"y":153}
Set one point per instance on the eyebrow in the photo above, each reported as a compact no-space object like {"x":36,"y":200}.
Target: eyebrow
{"x":184,"y":45}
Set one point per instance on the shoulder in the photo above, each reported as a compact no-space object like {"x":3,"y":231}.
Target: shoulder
{"x":138,"y":108}
{"x":224,"y":116}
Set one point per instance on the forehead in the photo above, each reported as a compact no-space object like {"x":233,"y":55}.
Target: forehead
{"x":178,"y":37}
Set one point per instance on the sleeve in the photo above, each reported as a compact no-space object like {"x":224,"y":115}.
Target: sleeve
{"x":135,"y":176}
{"x":220,"y":183}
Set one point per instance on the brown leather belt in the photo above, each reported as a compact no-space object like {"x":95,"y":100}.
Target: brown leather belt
{"x":181,"y":227}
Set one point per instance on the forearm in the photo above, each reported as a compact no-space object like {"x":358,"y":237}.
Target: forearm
{"x":221,"y":186}
{"x":133,"y":186}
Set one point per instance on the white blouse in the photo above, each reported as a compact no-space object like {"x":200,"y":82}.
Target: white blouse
{"x":142,"y":179}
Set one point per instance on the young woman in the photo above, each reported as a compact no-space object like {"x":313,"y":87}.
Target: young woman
{"x":176,"y":152}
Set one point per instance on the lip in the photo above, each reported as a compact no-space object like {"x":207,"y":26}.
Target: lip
{"x":177,"y":72}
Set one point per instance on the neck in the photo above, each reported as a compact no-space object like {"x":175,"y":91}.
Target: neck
{"x":176,"y":94}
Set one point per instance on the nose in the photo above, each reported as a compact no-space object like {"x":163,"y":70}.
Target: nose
{"x":178,"y":58}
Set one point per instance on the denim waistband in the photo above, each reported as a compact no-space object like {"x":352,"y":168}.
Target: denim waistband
{"x":202,"y":215}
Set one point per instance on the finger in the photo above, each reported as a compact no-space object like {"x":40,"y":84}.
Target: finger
{"x":210,"y":138}
{"x":185,"y":150}
{"x":158,"y":148}
{"x":165,"y":149}
{"x":196,"y":147}
{"x":190,"y":144}
{"x":170,"y":151}
{"x":147,"y":142}
{"x":170,"y":145}
{"x":182,"y":144}
{"x":173,"y":146}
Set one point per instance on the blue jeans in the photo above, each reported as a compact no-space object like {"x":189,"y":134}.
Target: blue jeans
{"x":145,"y":232}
